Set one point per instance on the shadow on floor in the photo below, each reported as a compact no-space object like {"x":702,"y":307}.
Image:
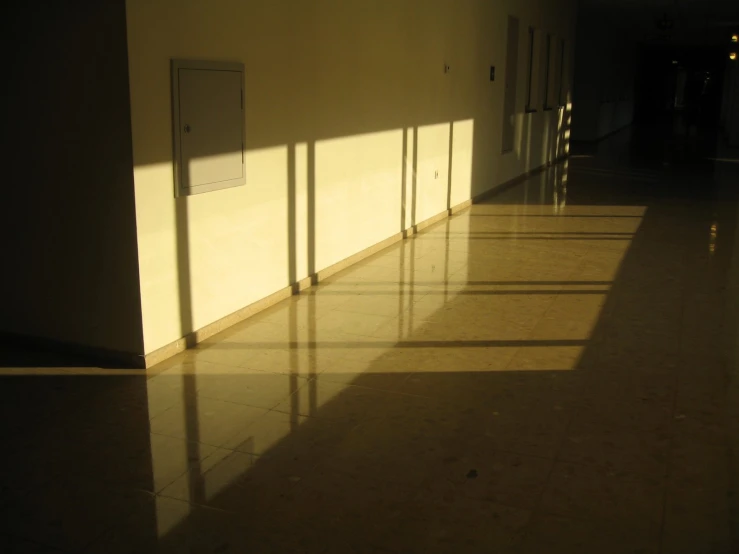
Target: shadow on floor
{"x":585,"y":422}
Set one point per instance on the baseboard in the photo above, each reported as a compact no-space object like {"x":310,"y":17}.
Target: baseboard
{"x":110,"y":358}
{"x":216,"y":327}
{"x":513,"y":182}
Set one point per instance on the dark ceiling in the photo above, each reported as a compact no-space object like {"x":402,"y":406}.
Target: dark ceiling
{"x":698,"y":22}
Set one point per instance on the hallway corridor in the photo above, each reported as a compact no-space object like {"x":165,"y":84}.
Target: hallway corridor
{"x":547,"y":372}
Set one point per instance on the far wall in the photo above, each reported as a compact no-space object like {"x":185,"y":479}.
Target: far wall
{"x":605,"y":69}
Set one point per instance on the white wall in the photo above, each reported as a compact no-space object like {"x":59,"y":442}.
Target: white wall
{"x":337,"y":94}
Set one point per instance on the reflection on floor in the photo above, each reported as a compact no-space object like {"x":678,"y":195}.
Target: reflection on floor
{"x":546,"y":372}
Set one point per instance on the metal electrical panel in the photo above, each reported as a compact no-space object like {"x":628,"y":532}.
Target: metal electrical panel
{"x":208,"y":126}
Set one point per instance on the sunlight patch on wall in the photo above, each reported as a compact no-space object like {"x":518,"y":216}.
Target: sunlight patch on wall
{"x":432,"y":170}
{"x":463,"y":135}
{"x":231,"y":242}
{"x":357,"y":188}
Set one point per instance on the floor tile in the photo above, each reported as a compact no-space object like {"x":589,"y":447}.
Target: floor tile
{"x":616,"y":449}
{"x":588,"y":492}
{"x":557,"y":534}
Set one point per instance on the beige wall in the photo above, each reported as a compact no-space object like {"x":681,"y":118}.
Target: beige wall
{"x":347,"y":108}
{"x":70,"y":263}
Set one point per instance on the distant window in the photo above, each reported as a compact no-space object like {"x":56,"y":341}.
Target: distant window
{"x":530,"y":100}
{"x":562,"y":73}
{"x":548,"y":75}
{"x":511,"y":76}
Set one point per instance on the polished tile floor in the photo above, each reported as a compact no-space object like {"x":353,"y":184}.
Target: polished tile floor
{"x":551,"y":371}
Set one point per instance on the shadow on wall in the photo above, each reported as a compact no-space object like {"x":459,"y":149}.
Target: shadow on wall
{"x":419,"y":190}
